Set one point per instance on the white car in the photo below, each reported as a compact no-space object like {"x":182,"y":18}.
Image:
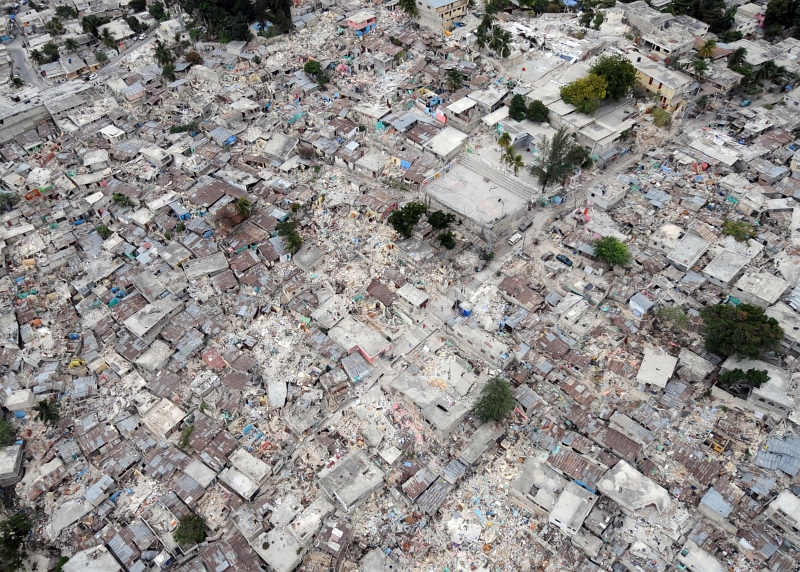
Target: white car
{"x":142,"y":37}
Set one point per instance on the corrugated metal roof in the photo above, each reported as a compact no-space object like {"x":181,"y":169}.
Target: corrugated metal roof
{"x":432,"y":499}
{"x":713,"y":500}
{"x":781,"y":454}
{"x":453,"y":471}
{"x":119,"y":459}
{"x":189,"y":490}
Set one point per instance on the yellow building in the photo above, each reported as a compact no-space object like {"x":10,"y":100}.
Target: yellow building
{"x":671,"y":86}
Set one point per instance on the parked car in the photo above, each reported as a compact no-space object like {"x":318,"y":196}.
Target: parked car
{"x":547,"y":256}
{"x":526,"y":224}
{"x":564,"y":260}
{"x":745,"y":103}
{"x":514,"y":239}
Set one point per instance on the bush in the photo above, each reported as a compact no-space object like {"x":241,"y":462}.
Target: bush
{"x":674,"y":317}
{"x":661,"y":117}
{"x":496,"y":401}
{"x":585,"y":93}
{"x":186,"y":435}
{"x":743,"y":330}
{"x":738,"y":229}
{"x":190,"y":531}
{"x":104,"y":231}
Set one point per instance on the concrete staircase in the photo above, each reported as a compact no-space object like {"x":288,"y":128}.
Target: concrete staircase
{"x":512,"y":184}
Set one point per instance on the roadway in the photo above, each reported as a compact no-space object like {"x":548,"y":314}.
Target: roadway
{"x":21,"y":65}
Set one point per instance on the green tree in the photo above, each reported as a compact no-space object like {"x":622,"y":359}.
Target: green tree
{"x":161,"y":53}
{"x":585,"y":93}
{"x":312,"y":67}
{"x":107,"y":37}
{"x":455,"y":79}
{"x":7,"y":432}
{"x":47,"y":411}
{"x":579,"y":156}
{"x":13,"y":533}
{"x":256,"y":59}
{"x":778,"y":13}
{"x":515,"y":162}
{"x":725,"y":21}
{"x":37,"y":56}
{"x":700,"y":68}
{"x":50,"y":51}
{"x":496,"y":401}
{"x":737,"y":58}
{"x":54,"y":27}
{"x":244,"y":207}
{"x":612,"y":250}
{"x":168,"y":72}
{"x":673,"y":317}
{"x":507,"y":156}
{"x":405,"y":219}
{"x":742,"y":330}
{"x":409,"y":7}
{"x":586,"y":18}
{"x":619,"y":74}
{"x":440,"y":220}
{"x":504,"y":140}
{"x":287,"y":231}
{"x":707,"y":49}
{"x":481,"y":37}
{"x":158,"y":11}
{"x":65,"y":12}
{"x":500,"y":42}
{"x":730,"y":36}
{"x":100,"y":56}
{"x":17,"y":82}
{"x":190,"y":531}
{"x":537,"y":111}
{"x":552,"y":158}
{"x":702,"y":101}
{"x":660,"y":117}
{"x":90,"y":23}
{"x":71,"y":45}
{"x":447,"y":239}
{"x":740,"y":230}
{"x":598,"y":20}
{"x":740,"y":382}
{"x":104,"y":231}
{"x":517,"y":110}
{"x":138,"y":5}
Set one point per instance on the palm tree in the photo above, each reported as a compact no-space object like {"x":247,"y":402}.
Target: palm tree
{"x":54,"y":27}
{"x":454,"y":79}
{"x":17,"y":82}
{"x":162,"y":54}
{"x":504,"y":141}
{"x":737,"y":58}
{"x":195,"y":34}
{"x":70,"y":45}
{"x":481,"y":37}
{"x":37,"y":56}
{"x":508,"y":155}
{"x":243,"y":207}
{"x":500,"y":42}
{"x":516,"y":163}
{"x":707,"y":50}
{"x":47,"y":411}
{"x":727,"y":19}
{"x":90,"y":23}
{"x":700,"y":68}
{"x":107,"y":37}
{"x":121,"y":200}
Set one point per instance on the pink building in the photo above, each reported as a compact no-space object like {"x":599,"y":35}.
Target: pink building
{"x":362,"y":23}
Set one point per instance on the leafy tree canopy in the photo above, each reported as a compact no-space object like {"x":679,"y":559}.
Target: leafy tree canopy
{"x":312,"y":67}
{"x":13,"y":532}
{"x":405,"y":219}
{"x":674,"y":317}
{"x":619,"y":73}
{"x":447,"y":239}
{"x":440,"y":220}
{"x":537,"y":111}
{"x":409,"y":7}
{"x":661,"y":117}
{"x":496,"y":401}
{"x":585,"y":93}
{"x":517,"y":110}
{"x":190,"y":531}
{"x":612,"y":250}
{"x":742,"y":380}
{"x":743,"y":330}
